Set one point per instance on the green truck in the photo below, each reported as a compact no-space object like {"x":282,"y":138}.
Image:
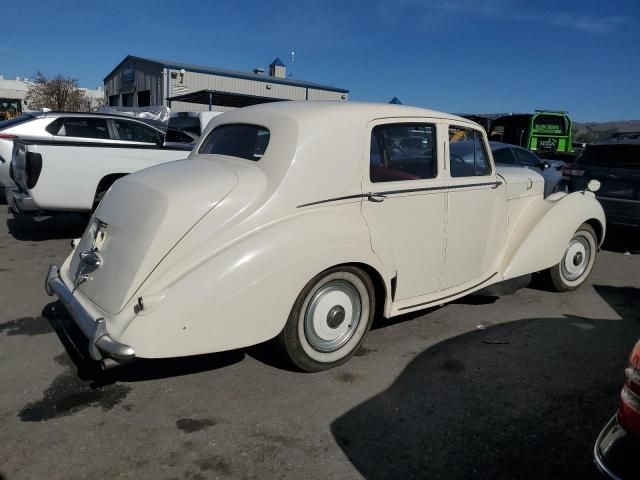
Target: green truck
{"x":545,"y":132}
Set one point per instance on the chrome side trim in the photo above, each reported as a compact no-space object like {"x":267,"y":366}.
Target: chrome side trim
{"x":101,"y":345}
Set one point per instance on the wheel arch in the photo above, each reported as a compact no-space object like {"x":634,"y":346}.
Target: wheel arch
{"x":382,"y":299}
{"x":108,"y":180}
{"x":598,"y":227}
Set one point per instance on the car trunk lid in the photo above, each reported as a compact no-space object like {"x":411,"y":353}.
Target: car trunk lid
{"x":143,"y":216}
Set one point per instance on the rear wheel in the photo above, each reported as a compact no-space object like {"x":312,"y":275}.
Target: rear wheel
{"x":577,"y":262}
{"x":329,"y":320}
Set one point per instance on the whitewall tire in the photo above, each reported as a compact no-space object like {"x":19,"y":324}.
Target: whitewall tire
{"x":577,"y":261}
{"x":329,"y":320}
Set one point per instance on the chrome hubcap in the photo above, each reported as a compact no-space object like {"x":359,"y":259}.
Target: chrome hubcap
{"x":332,"y":316}
{"x":576,"y":259}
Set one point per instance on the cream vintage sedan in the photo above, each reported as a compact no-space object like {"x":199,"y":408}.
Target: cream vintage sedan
{"x":301,"y":220}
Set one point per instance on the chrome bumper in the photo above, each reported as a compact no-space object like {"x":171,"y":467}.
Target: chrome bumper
{"x":101,"y":345}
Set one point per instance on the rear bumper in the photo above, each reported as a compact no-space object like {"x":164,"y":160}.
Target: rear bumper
{"x":101,"y":345}
{"x":20,"y":202}
{"x":616,"y":452}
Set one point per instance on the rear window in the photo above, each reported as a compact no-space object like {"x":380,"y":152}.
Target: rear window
{"x":612,"y":156}
{"x":237,"y":140}
{"x":15,"y":121}
{"x":550,"y":125}
{"x":183,"y":122}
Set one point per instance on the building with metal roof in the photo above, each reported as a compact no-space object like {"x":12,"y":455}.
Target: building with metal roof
{"x":141,"y":82}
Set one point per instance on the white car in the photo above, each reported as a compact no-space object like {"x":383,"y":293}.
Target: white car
{"x":67,"y":161}
{"x":300,"y":220}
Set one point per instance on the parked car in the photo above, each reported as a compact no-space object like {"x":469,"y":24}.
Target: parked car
{"x":617,"y":449}
{"x":616,"y":164}
{"x":79,"y":128}
{"x":25,"y":125}
{"x":300,"y":220}
{"x":76,"y":157}
{"x":506,"y":154}
{"x":187,"y":127}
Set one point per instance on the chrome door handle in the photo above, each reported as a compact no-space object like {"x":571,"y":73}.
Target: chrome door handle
{"x":376,"y":197}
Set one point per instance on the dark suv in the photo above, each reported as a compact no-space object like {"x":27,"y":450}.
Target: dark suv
{"x":616,"y":164}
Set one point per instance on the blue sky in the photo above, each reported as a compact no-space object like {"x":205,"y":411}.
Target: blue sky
{"x":451,"y":55}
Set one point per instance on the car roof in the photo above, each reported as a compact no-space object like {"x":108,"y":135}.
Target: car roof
{"x":363,"y":111}
{"x":151,"y":123}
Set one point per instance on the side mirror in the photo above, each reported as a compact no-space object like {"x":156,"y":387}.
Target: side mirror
{"x":545,"y":165}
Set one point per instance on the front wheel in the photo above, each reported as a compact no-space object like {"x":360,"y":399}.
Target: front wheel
{"x":329,"y":319}
{"x":577,"y":262}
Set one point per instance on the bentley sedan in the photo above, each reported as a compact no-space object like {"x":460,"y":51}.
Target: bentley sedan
{"x":298,"y":221}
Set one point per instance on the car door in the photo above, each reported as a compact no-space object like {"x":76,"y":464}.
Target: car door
{"x":476,"y":211}
{"x":405,"y":204}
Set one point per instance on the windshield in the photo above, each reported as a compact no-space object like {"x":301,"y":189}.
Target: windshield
{"x":612,"y":156}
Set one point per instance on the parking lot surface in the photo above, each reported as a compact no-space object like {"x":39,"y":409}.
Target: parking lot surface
{"x":485,"y":388}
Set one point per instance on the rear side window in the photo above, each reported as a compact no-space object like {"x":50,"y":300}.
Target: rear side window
{"x":467,"y":155}
{"x":612,"y":156}
{"x":135,"y":132}
{"x":237,"y":140}
{"x":402,"y":151}
{"x":80,"y":127}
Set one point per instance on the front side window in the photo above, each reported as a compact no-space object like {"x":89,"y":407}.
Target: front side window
{"x":467,"y":155}
{"x":81,"y":128}
{"x":135,"y":132}
{"x":402,"y":151}
{"x":237,"y":140}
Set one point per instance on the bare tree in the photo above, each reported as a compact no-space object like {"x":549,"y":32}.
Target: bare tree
{"x":59,"y":93}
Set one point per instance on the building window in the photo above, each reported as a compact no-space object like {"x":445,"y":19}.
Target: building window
{"x":144,"y":98}
{"x":127,"y":99}
{"x":114,"y":100}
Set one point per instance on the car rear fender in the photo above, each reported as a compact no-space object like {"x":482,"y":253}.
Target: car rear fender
{"x":540,"y":239}
{"x":242,"y":294}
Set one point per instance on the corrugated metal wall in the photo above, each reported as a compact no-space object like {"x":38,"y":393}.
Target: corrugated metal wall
{"x":149,"y":76}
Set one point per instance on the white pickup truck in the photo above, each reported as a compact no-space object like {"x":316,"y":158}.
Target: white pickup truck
{"x":72,"y":174}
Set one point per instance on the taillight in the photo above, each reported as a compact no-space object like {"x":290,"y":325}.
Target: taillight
{"x":572,"y":170}
{"x":8,"y":135}
{"x":629,"y":409}
{"x":33,"y":167}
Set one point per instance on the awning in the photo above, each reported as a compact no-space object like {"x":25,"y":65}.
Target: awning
{"x":221,"y":99}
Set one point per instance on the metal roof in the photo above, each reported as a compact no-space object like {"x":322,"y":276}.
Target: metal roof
{"x":228,"y":73}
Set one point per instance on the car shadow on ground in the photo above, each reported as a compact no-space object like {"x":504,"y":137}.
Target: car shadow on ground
{"x":76,"y":346}
{"x":519,"y":400}
{"x":67,"y":225}
{"x":622,"y":240}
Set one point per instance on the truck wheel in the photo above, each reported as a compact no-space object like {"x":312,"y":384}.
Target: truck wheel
{"x":577,"y":262}
{"x":329,"y":319}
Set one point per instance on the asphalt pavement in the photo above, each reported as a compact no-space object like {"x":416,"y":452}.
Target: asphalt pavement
{"x":484,"y":388}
